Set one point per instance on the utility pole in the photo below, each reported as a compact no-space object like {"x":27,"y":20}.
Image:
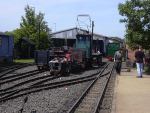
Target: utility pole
{"x":92,"y":36}
{"x":39,"y":31}
{"x":55,"y":27}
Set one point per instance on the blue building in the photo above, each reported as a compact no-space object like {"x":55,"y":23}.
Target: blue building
{"x":6,"y":48}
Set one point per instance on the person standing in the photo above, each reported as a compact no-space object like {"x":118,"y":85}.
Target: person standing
{"x":139,"y":58}
{"x":118,"y":60}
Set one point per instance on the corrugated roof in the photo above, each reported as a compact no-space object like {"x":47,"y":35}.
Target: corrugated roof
{"x":76,"y":29}
{"x":64,"y":30}
{"x":96,"y":34}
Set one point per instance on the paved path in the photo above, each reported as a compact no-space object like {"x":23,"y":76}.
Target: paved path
{"x":132,"y":95}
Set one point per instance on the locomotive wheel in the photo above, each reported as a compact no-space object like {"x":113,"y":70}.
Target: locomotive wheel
{"x":40,"y":68}
{"x":67,"y":70}
{"x":51,"y":72}
{"x":83,"y":65}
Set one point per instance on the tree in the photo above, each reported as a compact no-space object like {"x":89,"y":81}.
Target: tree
{"x":35,"y":28}
{"x":136,"y":15}
{"x":17,"y":34}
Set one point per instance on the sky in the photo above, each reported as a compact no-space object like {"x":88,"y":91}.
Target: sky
{"x":62,"y":14}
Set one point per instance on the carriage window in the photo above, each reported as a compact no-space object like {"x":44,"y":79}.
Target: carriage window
{"x":81,"y":38}
{"x":0,"y":41}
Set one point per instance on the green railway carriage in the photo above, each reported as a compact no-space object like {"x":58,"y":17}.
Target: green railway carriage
{"x":111,"y":49}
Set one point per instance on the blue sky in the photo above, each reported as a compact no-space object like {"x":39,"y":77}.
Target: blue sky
{"x":62,"y":14}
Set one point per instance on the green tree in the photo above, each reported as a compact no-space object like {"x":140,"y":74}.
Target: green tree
{"x":17,"y":34}
{"x":136,"y":15}
{"x":35,"y":28}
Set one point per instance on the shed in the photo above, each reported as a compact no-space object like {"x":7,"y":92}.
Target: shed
{"x":26,"y":48}
{"x":67,"y":37}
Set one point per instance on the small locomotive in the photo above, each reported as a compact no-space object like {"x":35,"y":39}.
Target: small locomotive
{"x":62,"y":61}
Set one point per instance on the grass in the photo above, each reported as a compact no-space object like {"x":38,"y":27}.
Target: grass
{"x":24,"y":61}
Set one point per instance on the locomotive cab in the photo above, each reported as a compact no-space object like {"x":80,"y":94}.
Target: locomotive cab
{"x":83,"y":43}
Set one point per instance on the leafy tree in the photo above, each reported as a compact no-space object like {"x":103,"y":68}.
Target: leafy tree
{"x":17,"y":33}
{"x":136,"y":15}
{"x":35,"y":28}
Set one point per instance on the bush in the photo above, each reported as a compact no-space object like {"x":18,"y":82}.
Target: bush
{"x":147,"y":69}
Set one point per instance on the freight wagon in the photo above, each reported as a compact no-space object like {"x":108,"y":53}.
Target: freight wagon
{"x":6,"y":48}
{"x":42,"y":57}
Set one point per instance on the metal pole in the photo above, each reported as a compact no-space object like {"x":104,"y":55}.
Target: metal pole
{"x":92,"y":36}
{"x":39,"y":36}
{"x":55,"y":27}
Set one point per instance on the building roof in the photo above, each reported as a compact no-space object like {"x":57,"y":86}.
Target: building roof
{"x":76,"y":29}
{"x":95,"y":34}
{"x":116,"y":39}
{"x":64,"y":30}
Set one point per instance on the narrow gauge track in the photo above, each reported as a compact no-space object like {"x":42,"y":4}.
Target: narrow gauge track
{"x":33,"y":82}
{"x":29,"y":83}
{"x":11,"y":78}
{"x":13,"y":68}
{"x":91,"y":99}
{"x":4,"y":67}
{"x":36,"y":88}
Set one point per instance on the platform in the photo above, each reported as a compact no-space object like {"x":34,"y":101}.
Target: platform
{"x":131,"y":95}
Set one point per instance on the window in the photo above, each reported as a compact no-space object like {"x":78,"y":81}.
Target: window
{"x":0,"y":41}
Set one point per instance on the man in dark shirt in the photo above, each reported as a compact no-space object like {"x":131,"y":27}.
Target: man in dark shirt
{"x":139,"y":56}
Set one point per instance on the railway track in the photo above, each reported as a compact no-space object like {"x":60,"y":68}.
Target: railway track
{"x":11,"y":78}
{"x":38,"y":86}
{"x":92,"y":97}
{"x":4,"y":67}
{"x":12,"y":68}
{"x":29,"y":83}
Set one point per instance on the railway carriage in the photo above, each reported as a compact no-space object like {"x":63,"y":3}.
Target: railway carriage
{"x":111,"y":49}
{"x":6,"y":48}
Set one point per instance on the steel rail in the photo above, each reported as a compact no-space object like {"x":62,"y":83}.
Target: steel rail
{"x":97,"y":108}
{"x":16,"y":75}
{"x":42,"y":78}
{"x":20,"y":76}
{"x":74,"y":107}
{"x":38,"y":84}
{"x":25,"y":91}
{"x":13,"y":69}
